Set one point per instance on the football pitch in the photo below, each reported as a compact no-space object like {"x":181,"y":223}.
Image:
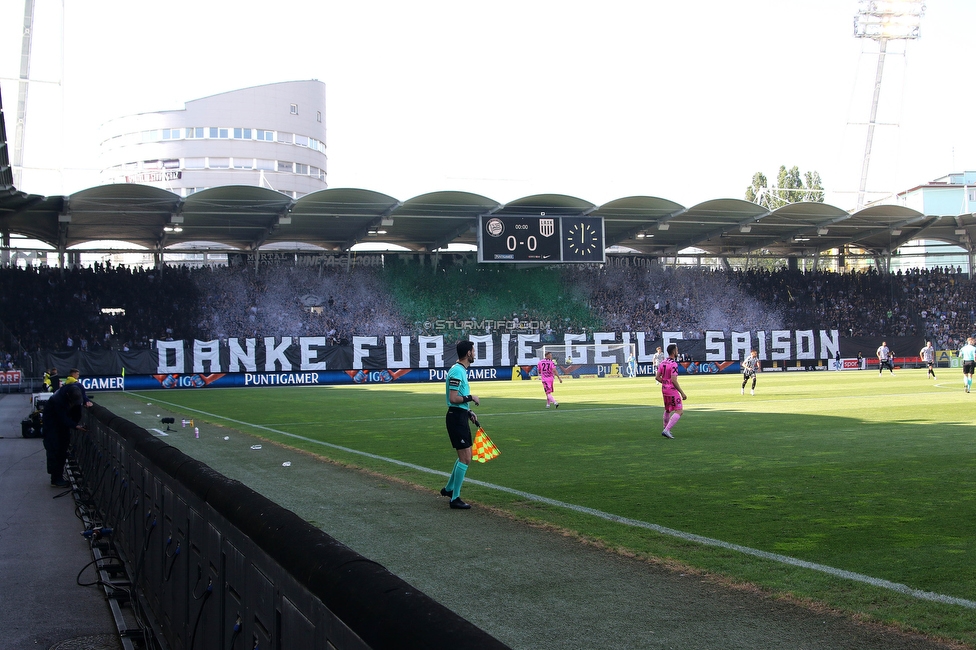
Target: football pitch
{"x":849,"y":489}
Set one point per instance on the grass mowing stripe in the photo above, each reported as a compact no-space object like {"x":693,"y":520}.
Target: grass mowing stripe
{"x":691,"y":537}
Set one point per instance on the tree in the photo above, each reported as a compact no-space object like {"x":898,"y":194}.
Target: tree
{"x":757,"y":192}
{"x":790,"y":187}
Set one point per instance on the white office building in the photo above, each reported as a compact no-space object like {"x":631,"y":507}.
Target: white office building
{"x":952,"y":195}
{"x":270,"y":136}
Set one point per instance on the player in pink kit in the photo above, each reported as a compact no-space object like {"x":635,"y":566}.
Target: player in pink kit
{"x":547,"y":370}
{"x":667,"y":376}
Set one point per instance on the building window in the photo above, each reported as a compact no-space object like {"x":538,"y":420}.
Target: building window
{"x":194,"y":163}
{"x":286,"y":138}
{"x":171,"y":164}
{"x":172,"y":134}
{"x":972,"y":195}
{"x":213,"y":132}
{"x":267,"y":136}
{"x":223,"y":133}
{"x":301,"y":169}
{"x":301,"y":140}
{"x":242,"y":134}
{"x":219,"y":163}
{"x":266,"y":165}
{"x":285,"y":166}
{"x":151,"y":164}
{"x":243,"y":163}
{"x":150,"y":136}
{"x":294,"y":109}
{"x":318,"y":116}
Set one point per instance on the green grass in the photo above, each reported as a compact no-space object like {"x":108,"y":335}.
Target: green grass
{"x":873,"y":475}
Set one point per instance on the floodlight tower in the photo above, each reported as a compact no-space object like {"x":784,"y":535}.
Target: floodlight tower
{"x":20,"y":128}
{"x":883,"y":21}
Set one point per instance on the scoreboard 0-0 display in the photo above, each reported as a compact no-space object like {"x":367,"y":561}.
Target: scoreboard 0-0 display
{"x":542,"y":239}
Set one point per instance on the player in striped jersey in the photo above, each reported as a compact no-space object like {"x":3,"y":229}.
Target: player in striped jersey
{"x":884,"y":359}
{"x":657,"y":359}
{"x":547,"y":371}
{"x":750,"y":366}
{"x":927,"y":354}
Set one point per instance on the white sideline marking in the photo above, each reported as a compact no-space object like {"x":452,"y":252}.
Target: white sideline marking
{"x":691,"y":537}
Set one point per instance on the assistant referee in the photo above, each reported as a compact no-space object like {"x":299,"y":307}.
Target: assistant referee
{"x":459,"y":414}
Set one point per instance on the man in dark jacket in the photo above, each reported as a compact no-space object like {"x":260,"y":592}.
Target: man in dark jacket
{"x":62,"y":413}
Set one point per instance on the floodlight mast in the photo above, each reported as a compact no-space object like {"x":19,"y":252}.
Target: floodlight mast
{"x":882,"y":21}
{"x":20,"y":126}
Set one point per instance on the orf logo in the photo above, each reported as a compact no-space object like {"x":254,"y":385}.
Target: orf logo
{"x":547,"y":227}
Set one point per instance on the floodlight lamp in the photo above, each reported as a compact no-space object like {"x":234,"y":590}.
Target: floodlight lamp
{"x":895,"y":232}
{"x":386,"y":221}
{"x":641,"y":235}
{"x":663,"y":226}
{"x":822,"y":231}
{"x":745,"y":229}
{"x":960,"y":231}
{"x":167,"y":228}
{"x":889,"y":19}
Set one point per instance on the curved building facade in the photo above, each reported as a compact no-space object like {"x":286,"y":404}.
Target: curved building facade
{"x":271,"y":136}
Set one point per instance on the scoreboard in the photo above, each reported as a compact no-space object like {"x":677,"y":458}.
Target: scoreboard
{"x":540,"y":239}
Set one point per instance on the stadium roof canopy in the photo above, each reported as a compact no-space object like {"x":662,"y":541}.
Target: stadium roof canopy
{"x":250,"y":218}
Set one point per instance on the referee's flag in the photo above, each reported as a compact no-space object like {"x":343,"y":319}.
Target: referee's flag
{"x":483,"y":448}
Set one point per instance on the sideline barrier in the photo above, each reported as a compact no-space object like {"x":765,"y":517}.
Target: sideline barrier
{"x":214,"y":564}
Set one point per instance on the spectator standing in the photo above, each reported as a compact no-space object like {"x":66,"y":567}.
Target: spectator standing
{"x":62,"y":413}
{"x":74,"y":377}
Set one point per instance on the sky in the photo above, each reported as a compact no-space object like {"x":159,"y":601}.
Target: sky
{"x":679,"y":100}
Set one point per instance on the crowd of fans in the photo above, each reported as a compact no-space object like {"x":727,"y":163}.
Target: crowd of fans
{"x":293,"y":301}
{"x":97,"y":307}
{"x":124,"y":309}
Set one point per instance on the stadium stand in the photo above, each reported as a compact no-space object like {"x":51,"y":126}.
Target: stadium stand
{"x":122,"y":308}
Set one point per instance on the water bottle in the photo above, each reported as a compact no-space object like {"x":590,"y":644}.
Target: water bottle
{"x":196,"y":432}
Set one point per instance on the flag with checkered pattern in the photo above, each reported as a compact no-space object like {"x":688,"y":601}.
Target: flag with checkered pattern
{"x":483,"y":448}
